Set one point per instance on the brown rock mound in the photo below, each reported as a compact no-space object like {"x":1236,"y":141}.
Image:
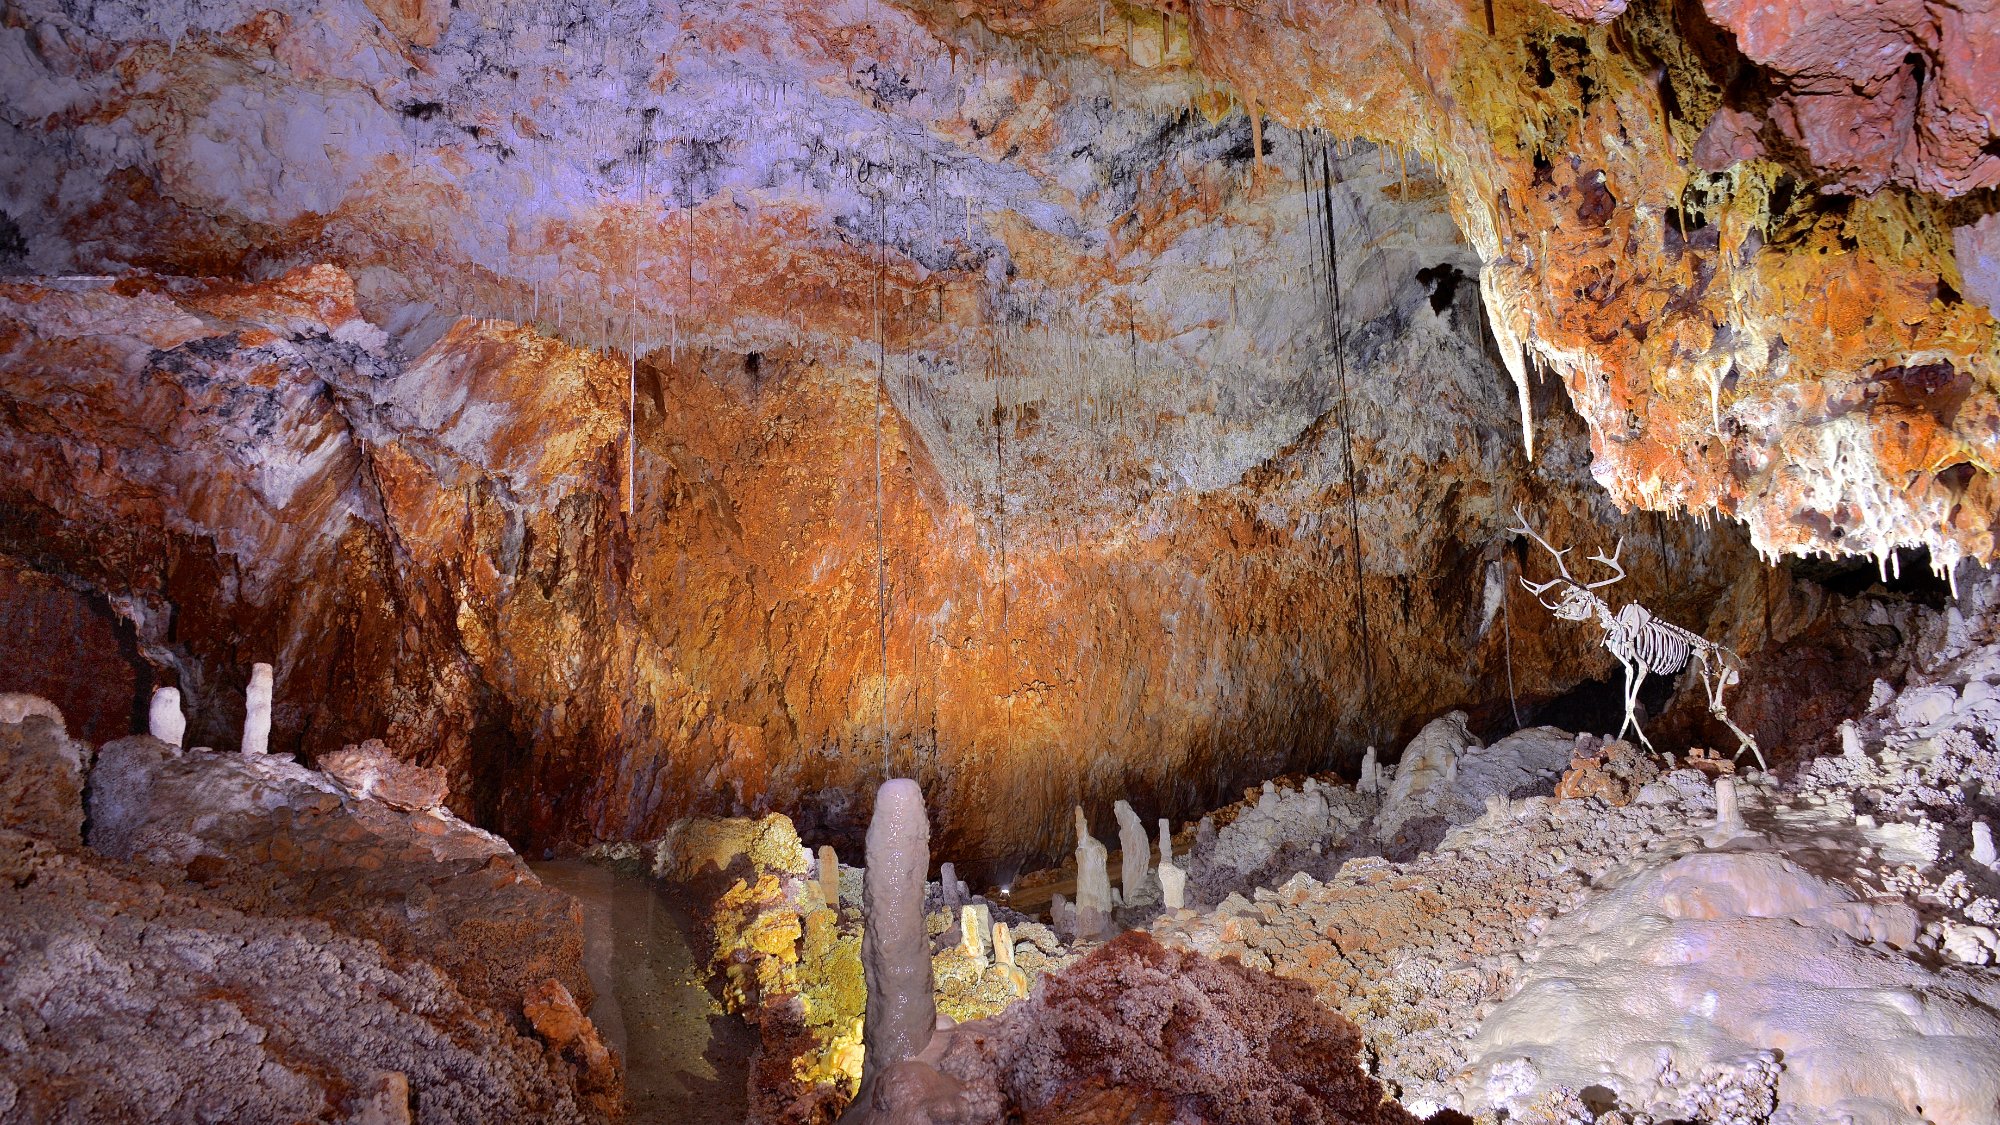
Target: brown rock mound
{"x":1614,"y":771}
{"x":271,"y":837}
{"x":41,"y":779}
{"x":1138,"y":1032}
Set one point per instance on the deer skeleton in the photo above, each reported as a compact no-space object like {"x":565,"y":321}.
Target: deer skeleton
{"x":1641,"y":643}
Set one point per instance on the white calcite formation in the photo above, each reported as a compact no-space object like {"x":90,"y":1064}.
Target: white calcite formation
{"x":1983,"y":852}
{"x":1313,"y":815}
{"x":1133,"y":852}
{"x":1093,"y":883}
{"x":1370,"y":781}
{"x":1672,"y":990}
{"x":895,"y":952}
{"x":257,"y":711}
{"x":971,"y":940}
{"x":164,"y":720}
{"x":16,"y":706}
{"x":1446,"y":772}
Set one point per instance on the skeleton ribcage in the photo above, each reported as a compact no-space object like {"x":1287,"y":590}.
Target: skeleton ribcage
{"x":1637,"y":636}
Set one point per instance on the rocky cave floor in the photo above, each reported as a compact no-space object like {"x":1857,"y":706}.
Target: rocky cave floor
{"x":1551,"y":928}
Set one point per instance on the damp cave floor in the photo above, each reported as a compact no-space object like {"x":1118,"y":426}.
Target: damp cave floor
{"x":686,"y":1061}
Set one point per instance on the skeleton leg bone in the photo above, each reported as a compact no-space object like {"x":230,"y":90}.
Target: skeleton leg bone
{"x":1715,"y":682}
{"x":1635,"y":676}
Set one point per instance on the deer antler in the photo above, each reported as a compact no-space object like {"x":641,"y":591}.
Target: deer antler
{"x":1611,"y":562}
{"x":1561,"y":566}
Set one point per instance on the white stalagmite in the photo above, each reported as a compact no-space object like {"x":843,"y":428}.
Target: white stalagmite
{"x":1850,"y":741}
{"x":1166,"y":841}
{"x":895,"y":953}
{"x":1370,"y":780}
{"x":1093,"y":882}
{"x":1983,"y":852}
{"x":257,"y":711}
{"x":164,"y":720}
{"x":1133,"y":851}
{"x":1173,"y":887}
{"x":1728,"y":816}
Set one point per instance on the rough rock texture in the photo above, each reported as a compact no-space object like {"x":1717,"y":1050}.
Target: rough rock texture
{"x":41,"y":780}
{"x":1612,"y":771}
{"x":109,"y":974}
{"x":1115,"y":486}
{"x":71,"y":649}
{"x":1875,"y":94}
{"x":131,"y":994}
{"x":263,"y":834}
{"x":370,"y":770}
{"x":1136,"y":1032}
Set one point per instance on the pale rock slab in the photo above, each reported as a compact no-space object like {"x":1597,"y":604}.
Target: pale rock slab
{"x":1132,"y":852}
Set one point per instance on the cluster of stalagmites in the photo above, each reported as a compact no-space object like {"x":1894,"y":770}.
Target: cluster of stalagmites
{"x":340,"y":946}
{"x":1550,"y":928}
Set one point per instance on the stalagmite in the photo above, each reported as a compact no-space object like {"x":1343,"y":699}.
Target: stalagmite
{"x":164,"y":720}
{"x":953,"y":887}
{"x":1003,"y":959}
{"x":1132,"y":851}
{"x":895,"y":954}
{"x":1850,"y":740}
{"x":1983,"y":852}
{"x":1093,"y":882}
{"x":829,"y":876}
{"x":257,"y":711}
{"x":971,"y":940}
{"x":1173,"y":887}
{"x":1728,"y":817}
{"x":1370,"y":780}
{"x":1166,"y":841}
{"x":1062,"y":916}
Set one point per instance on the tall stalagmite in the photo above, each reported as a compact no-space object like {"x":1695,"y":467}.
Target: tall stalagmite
{"x":895,"y":954}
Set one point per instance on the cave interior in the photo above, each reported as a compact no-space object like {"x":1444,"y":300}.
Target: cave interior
{"x":892,"y":561}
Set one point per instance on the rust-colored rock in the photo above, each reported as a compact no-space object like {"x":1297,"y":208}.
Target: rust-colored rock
{"x":1136,"y":1031}
{"x":561,"y":1023}
{"x":370,"y":770}
{"x":1613,"y":771}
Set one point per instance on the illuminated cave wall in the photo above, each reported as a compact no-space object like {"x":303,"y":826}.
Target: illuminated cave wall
{"x":1024,"y":264}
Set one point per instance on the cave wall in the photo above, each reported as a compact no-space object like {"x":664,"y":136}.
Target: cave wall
{"x":433,"y":549}
{"x":521,"y":376}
